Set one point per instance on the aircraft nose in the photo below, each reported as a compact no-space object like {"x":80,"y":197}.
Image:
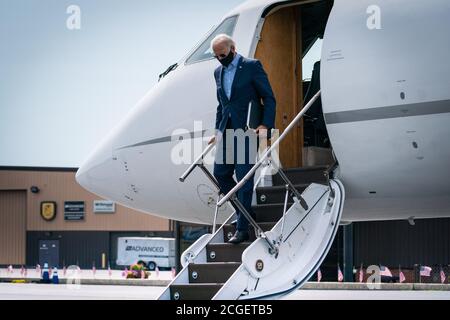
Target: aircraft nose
{"x":90,"y":173}
{"x":80,"y":176}
{"x":97,"y":173}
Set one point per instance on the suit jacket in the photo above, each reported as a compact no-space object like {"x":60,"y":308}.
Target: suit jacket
{"x":250,"y":83}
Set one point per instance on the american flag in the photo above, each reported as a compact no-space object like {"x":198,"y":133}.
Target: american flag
{"x":319,"y":275}
{"x":174,"y":272}
{"x":340,"y":275}
{"x":384,"y":271}
{"x":361,"y":274}
{"x":442,"y":273}
{"x":425,"y":271}
{"x":402,"y":277}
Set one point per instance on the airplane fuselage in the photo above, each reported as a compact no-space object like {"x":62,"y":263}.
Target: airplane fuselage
{"x":385,"y":100}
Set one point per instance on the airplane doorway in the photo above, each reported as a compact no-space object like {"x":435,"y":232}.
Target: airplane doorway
{"x":287,"y":35}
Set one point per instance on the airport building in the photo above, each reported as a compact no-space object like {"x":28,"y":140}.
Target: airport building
{"x":45,"y":215}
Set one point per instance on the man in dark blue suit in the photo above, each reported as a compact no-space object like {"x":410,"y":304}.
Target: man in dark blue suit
{"x":239,"y":81}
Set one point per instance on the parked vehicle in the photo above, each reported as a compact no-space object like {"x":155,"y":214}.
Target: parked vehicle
{"x":155,"y":252}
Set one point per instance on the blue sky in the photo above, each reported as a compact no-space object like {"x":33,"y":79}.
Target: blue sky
{"x":62,"y":90}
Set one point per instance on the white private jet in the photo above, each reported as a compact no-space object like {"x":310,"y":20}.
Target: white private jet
{"x":383,"y":112}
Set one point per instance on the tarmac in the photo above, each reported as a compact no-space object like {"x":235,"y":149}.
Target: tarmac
{"x":104,"y":285}
{"x":33,"y":291}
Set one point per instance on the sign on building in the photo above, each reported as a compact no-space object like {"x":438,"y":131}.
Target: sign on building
{"x":104,"y":206}
{"x":73,"y":210}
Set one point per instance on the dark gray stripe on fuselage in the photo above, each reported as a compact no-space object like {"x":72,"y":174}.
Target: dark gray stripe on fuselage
{"x":190,"y":135}
{"x":400,"y":111}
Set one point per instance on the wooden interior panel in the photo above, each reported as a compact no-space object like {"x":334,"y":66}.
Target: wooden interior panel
{"x":279,"y":50}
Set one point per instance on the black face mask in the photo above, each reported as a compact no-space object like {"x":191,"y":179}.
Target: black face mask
{"x":227,"y":60}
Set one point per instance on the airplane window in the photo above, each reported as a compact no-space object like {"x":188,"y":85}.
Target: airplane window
{"x":204,"y":51}
{"x":310,"y":58}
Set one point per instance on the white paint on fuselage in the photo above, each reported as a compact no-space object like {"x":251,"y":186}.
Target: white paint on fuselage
{"x":372,"y":69}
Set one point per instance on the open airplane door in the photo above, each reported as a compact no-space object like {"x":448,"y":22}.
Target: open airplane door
{"x":303,"y":239}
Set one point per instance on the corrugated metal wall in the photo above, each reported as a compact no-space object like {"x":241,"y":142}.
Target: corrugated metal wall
{"x":13,"y":213}
{"x":394,"y":243}
{"x":83,"y":248}
{"x":328,"y":267}
{"x":62,"y":186}
{"x":79,"y":247}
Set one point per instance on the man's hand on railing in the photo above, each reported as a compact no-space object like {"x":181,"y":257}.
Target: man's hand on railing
{"x":217,"y":137}
{"x":261,"y":131}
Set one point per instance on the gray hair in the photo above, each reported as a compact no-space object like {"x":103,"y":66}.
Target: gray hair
{"x":223,"y":38}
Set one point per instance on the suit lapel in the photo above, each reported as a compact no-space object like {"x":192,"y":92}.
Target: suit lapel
{"x":236,"y":76}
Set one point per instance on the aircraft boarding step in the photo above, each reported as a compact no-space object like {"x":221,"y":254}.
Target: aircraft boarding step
{"x":215,"y":269}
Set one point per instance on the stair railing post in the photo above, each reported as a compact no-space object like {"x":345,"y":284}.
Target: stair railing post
{"x":291,"y":186}
{"x":273,"y":249}
{"x":286,"y":197}
{"x":216,"y":211}
{"x":328,"y":174}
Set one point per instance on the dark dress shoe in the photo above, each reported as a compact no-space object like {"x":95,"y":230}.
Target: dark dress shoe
{"x":239,"y":236}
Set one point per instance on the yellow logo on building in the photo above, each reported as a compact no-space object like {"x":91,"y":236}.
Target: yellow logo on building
{"x":48,"y":210}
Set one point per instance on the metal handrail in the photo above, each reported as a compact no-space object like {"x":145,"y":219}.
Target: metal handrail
{"x":268,"y":152}
{"x":235,"y":203}
{"x":197,"y":161}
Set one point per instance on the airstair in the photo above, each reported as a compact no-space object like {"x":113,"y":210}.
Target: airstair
{"x":297,"y":218}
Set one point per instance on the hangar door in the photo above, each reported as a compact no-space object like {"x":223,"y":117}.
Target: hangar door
{"x":13,"y":213}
